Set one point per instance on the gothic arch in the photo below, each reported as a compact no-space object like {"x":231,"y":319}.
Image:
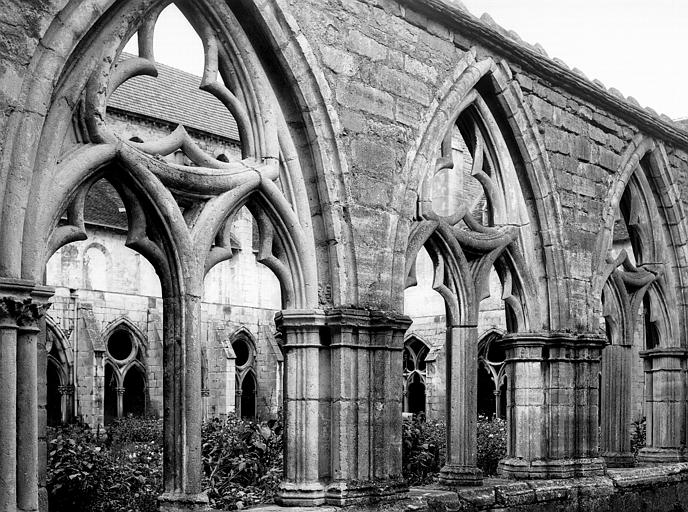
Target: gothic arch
{"x":468,"y":86}
{"x":647,"y":277}
{"x":125,"y":323}
{"x":415,"y":374}
{"x":644,"y":176}
{"x":464,"y":249}
{"x":73,"y":71}
{"x":86,"y":267}
{"x":494,"y":366}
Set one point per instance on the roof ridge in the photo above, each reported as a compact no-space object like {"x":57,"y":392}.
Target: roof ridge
{"x":488,"y":20}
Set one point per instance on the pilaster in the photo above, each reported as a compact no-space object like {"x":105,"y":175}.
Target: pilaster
{"x":552,"y":384}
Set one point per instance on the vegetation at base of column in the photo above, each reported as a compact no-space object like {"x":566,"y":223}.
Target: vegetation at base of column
{"x":120,"y":469}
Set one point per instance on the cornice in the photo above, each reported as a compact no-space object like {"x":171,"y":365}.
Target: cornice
{"x":508,"y":45}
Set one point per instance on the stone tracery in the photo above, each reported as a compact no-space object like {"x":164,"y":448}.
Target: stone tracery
{"x":295,"y":180}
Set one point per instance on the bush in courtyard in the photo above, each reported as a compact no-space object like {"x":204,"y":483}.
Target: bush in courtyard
{"x":423,"y":449}
{"x":90,"y":474}
{"x":242,"y":461}
{"x":126,"y":431}
{"x":491,"y":444}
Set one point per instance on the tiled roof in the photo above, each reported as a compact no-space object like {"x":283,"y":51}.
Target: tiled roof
{"x":104,"y":207}
{"x":174,"y":97}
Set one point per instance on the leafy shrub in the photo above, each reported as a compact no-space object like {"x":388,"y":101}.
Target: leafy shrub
{"x":125,"y":431}
{"x":74,"y":457}
{"x":85,"y":474}
{"x":423,"y":450}
{"x":638,"y":436}
{"x":491,"y":444}
{"x":242,"y":461}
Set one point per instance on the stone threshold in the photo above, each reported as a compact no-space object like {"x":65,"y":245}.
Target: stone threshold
{"x":656,"y":488}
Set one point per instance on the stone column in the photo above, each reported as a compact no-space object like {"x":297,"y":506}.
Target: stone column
{"x":66,"y":396}
{"x":366,"y":367}
{"x":182,"y":405}
{"x":120,"y":401}
{"x":552,"y":410}
{"x":42,"y":370}
{"x":462,"y":408}
{"x":306,"y":407}
{"x":205,"y":397}
{"x":9,"y":311}
{"x":615,"y":400}
{"x":665,"y":405}
{"x":27,"y":406}
{"x":230,"y":382}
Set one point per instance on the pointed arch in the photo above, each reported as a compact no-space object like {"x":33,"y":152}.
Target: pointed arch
{"x":496,"y":97}
{"x":644,"y":176}
{"x":124,"y":322}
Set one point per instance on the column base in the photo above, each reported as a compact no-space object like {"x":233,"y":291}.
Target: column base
{"x":618,"y":459}
{"x":343,"y":494}
{"x":550,"y":469}
{"x":661,"y":455}
{"x":182,"y":502}
{"x":300,"y":494}
{"x":460,"y":476}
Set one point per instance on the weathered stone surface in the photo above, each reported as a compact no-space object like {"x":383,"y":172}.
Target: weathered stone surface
{"x":351,"y":117}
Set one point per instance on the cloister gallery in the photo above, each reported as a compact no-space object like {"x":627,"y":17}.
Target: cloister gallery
{"x":362,"y":208}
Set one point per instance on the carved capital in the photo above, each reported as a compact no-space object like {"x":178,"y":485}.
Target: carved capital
{"x":31,"y":315}
{"x":10,"y":310}
{"x":120,"y":391}
{"x":205,"y":392}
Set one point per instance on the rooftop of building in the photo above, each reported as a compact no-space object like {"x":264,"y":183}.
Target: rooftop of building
{"x":174,"y":97}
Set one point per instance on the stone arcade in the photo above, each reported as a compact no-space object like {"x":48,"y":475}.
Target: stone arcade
{"x":356,"y":121}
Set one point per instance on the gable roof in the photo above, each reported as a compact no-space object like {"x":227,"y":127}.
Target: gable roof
{"x":174,"y":97}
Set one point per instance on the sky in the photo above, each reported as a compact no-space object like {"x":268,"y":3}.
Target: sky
{"x":638,"y":47}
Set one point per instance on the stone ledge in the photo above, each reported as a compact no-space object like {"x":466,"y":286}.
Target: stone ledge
{"x":663,"y":487}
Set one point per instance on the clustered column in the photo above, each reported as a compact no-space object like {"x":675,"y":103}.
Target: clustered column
{"x":342,"y":406}
{"x":553,"y":405}
{"x":306,"y":395}
{"x":665,"y":405}
{"x":365,"y":366}
{"x":22,"y":306}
